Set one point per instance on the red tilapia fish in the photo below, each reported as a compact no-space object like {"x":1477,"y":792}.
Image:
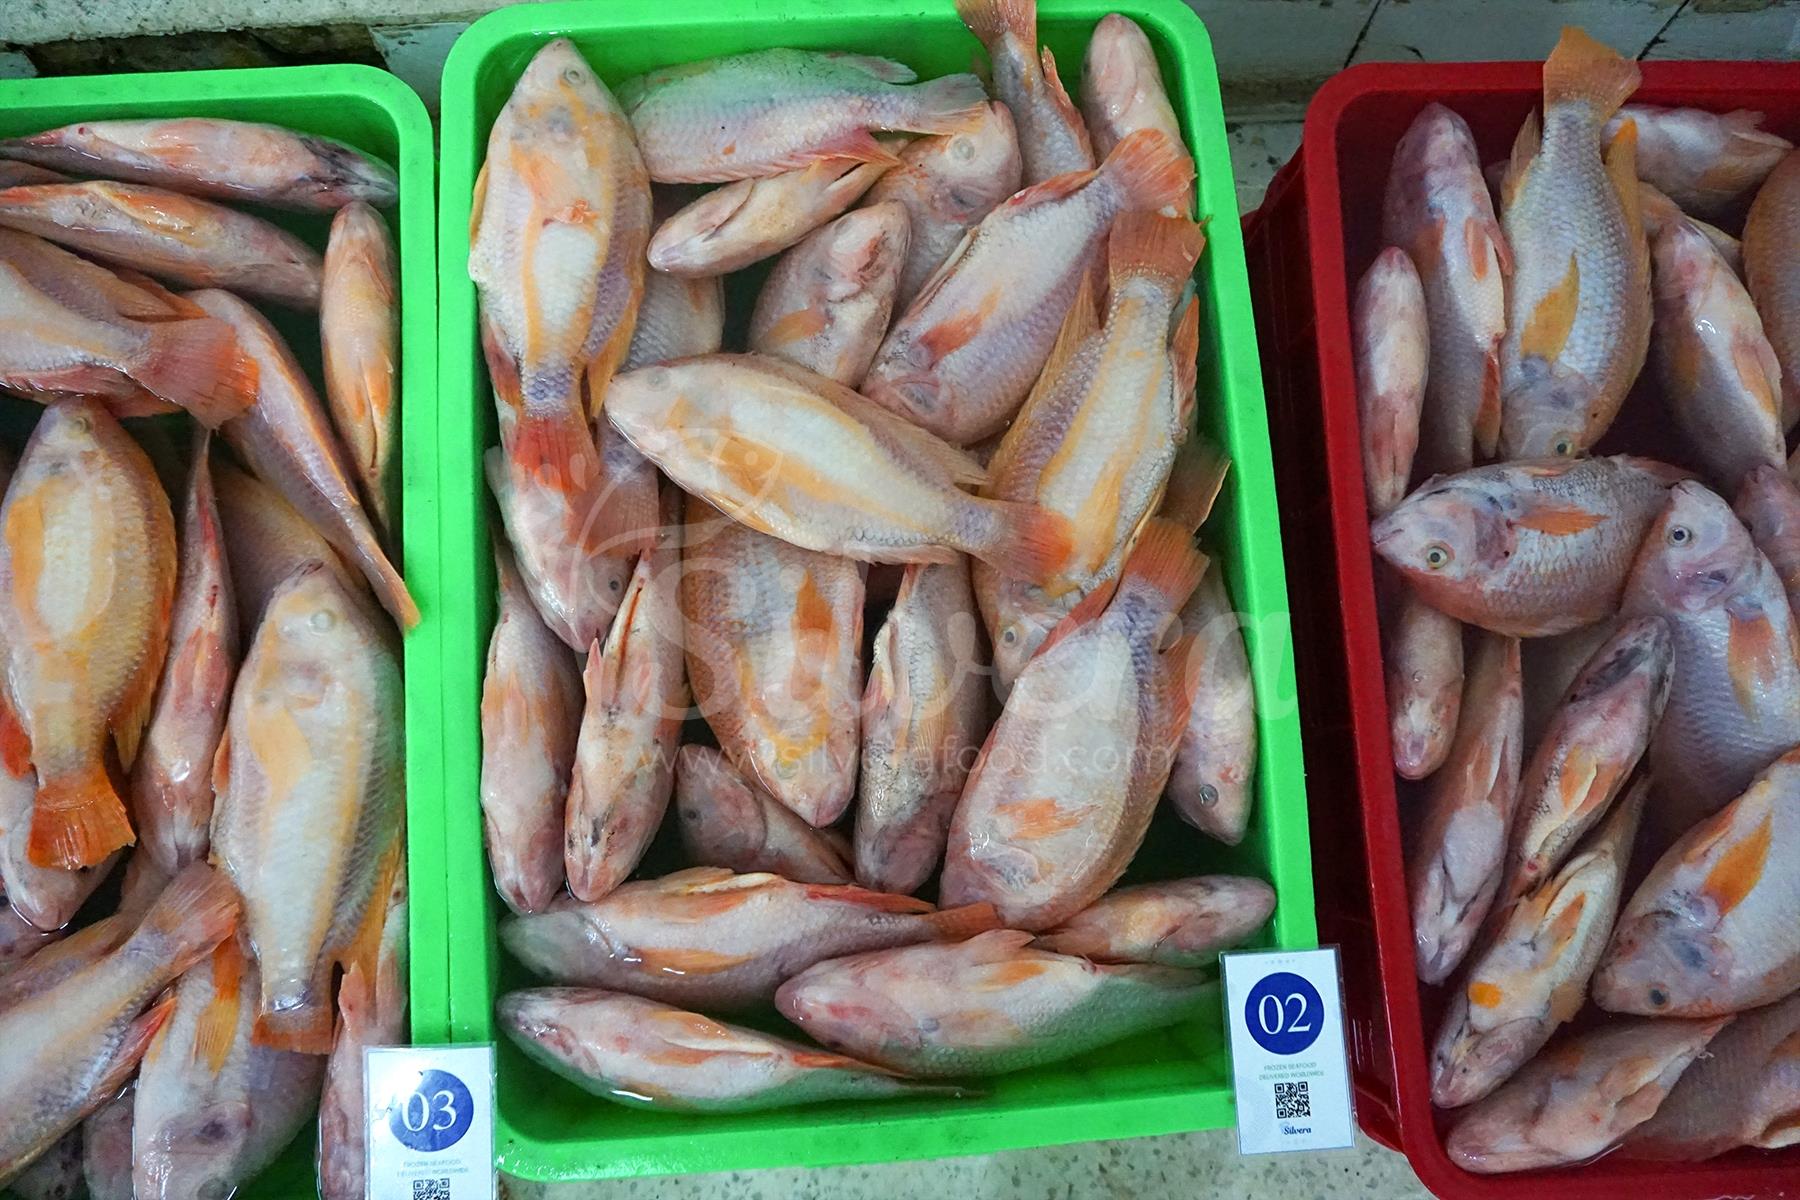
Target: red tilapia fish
{"x":744,"y":116}
{"x":205,"y":156}
{"x":359,"y":340}
{"x":371,"y":1012}
{"x":1423,"y":652}
{"x":1122,"y":92}
{"x":1578,"y":305}
{"x":728,"y":821}
{"x":1704,"y":161}
{"x":1772,"y":273}
{"x":644,"y":1054}
{"x":1769,"y":506}
{"x":1181,"y":923}
{"x":795,"y":455}
{"x":1527,"y":549}
{"x":1711,"y":930}
{"x":1055,"y":808}
{"x":1052,"y":138}
{"x":961,"y":359}
{"x":1211,"y":784}
{"x":986,"y":1006}
{"x":87,"y":586}
{"x":1393,"y":350}
{"x":266,"y":541}
{"x":709,"y":938}
{"x":1437,"y":210}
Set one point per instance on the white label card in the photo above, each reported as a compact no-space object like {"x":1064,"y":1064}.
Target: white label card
{"x":1284,"y":1011}
{"x":430,"y":1122}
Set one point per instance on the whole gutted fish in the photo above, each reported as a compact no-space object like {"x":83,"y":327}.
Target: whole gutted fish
{"x":87,"y":582}
{"x":213,"y":1109}
{"x":1579,"y":1097}
{"x":947,"y":184}
{"x":827,"y":301}
{"x":795,"y":455}
{"x":205,"y":156}
{"x":1578,"y":305}
{"x":1122,"y":92}
{"x":1529,"y":549}
{"x":1393,"y":350}
{"x":1052,"y":138}
{"x":1704,"y":161}
{"x":1182,"y":923}
{"x":171,"y":782}
{"x":1210,"y":783}
{"x":1735,"y":701}
{"x":1769,"y":506}
{"x":960,"y":360}
{"x":531,"y":703}
{"x":1711,"y":929}
{"x":1456,"y":859}
{"x":923,"y":717}
{"x":359,"y":339}
{"x":773,"y":636}
{"x":1097,"y":438}
{"x":287,"y":441}
{"x":1744,"y":1091}
{"x":728,"y":821}
{"x":644,"y":1054}
{"x":195,"y":243}
{"x":1590,"y":748}
{"x":1719,"y":376}
{"x":47,"y":897}
{"x":69,"y":1048}
{"x":1064,"y":788}
{"x":1532,"y":974}
{"x":309,"y":789}
{"x":982,"y":1007}
{"x":266,"y":541}
{"x":1437,"y":209}
{"x":744,"y":116}
{"x":747,"y":221}
{"x":713,"y":939}
{"x":1423,"y":652}
{"x":371,"y":1012}
{"x":1772,"y":273}
{"x":637,"y":697}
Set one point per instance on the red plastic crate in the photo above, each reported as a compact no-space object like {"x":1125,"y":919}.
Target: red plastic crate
{"x":1315,"y":234}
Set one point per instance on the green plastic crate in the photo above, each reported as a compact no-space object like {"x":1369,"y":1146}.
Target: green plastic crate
{"x":1160,"y":1083}
{"x":373,"y":111}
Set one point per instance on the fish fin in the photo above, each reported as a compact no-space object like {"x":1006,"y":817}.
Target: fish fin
{"x":884,"y":69}
{"x":1195,"y":480}
{"x":1030,"y":542}
{"x":1081,"y":323}
{"x":77,"y":821}
{"x":390,"y":589}
{"x":1584,"y":70}
{"x":221,"y":764}
{"x":162,"y":305}
{"x":1184,"y":363}
{"x":193,"y":913}
{"x":215,"y":1029}
{"x":361,"y":951}
{"x":890,"y":902}
{"x":1152,"y":169}
{"x":1547,"y":328}
{"x":1621,"y":168}
{"x":1148,"y":243}
{"x":1525,"y":147}
{"x":825,"y":1060}
{"x":1753,"y":656}
{"x":1757,"y":369}
{"x":1738,"y":870}
{"x":629,"y":516}
{"x":947,"y":104}
{"x":990,"y":20}
{"x":15,"y":743}
{"x":198,"y":365}
{"x":964,"y":921}
{"x":956,"y":331}
{"x":1088,"y":608}
{"x":503,"y":369}
{"x":133,"y":713}
{"x":1490,"y":412}
{"x":131,"y":1047}
{"x":556,"y":449}
{"x":1059,"y":97}
{"x":478,"y":202}
{"x":1481,"y":235}
{"x":1057,"y":187}
{"x":605,"y":364}
{"x":305,"y":1028}
{"x":690,"y":960}
{"x":795,"y":326}
{"x":1165,"y":560}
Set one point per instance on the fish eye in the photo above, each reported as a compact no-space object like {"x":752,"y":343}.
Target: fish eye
{"x":1209,"y":795}
{"x":1563,"y":446}
{"x":1680,"y":535}
{"x":1658,"y":997}
{"x":80,"y":423}
{"x":1010,"y":635}
{"x":321,"y":622}
{"x":572,"y":74}
{"x":1438,"y":556}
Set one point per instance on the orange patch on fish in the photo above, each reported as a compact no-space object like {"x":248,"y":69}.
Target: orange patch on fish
{"x":953,"y":333}
{"x":1740,"y":868}
{"x":1038,"y":818}
{"x":1483,"y":994}
{"x":1752,"y":656}
{"x":1547,"y":328}
{"x":216,"y":1028}
{"x":1011,"y":974}
{"x":689,"y":960}
{"x":1559,"y":520}
{"x":796,"y":326}
{"x":1568,"y":920}
{"x":812,"y":611}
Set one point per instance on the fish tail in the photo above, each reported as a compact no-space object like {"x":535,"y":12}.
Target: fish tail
{"x":195,"y":911}
{"x":554,"y":448}
{"x":989,"y":20}
{"x":199,"y":365}
{"x":305,"y":1028}
{"x":1150,"y":244}
{"x":949,"y":104}
{"x":1583,"y":70}
{"x":1166,"y":561}
{"x":1195,"y":480}
{"x":1028,"y":542}
{"x":964,"y":921}
{"x":1151,"y":169}
{"x":78,"y":820}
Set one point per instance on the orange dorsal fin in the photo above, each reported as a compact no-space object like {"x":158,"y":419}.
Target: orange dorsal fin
{"x":1621,"y":168}
{"x":891,"y":902}
{"x":1547,"y":328}
{"x":1184,"y":362}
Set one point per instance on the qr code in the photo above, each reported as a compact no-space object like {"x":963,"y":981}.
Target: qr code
{"x":1291,"y":1100}
{"x":431,"y":1189}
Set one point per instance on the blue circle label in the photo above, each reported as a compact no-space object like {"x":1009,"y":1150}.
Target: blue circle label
{"x":1284,"y":1013}
{"x":434,"y":1115}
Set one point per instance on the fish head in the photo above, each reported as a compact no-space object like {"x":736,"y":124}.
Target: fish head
{"x":1437,"y":141}
{"x":545,"y":942}
{"x":1469,"y":1062}
{"x":842,"y":1001}
{"x":1545,"y":413}
{"x":1448,"y":538}
{"x":865,"y":245}
{"x":971,"y":162}
{"x":1693,"y":555}
{"x":679,"y":241}
{"x":1016,"y":641}
{"x":1662,"y":963}
{"x":908,"y":385}
{"x":195,"y":1154}
{"x":67,"y":435}
{"x":553,"y":72}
